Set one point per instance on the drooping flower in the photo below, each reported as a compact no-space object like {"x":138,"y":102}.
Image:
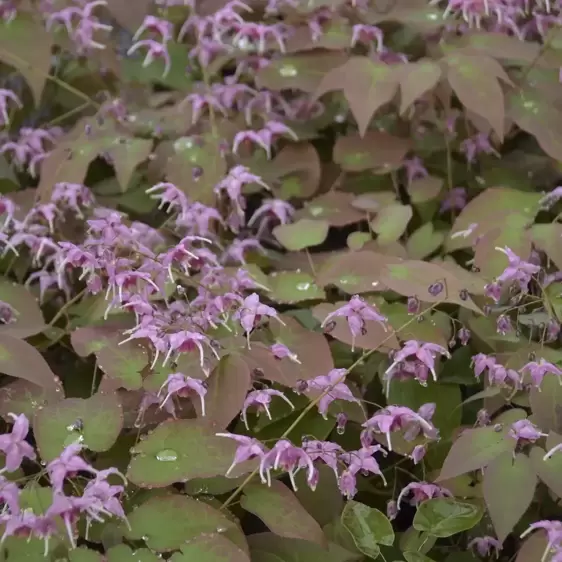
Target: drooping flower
{"x":248,"y":448}
{"x":484,"y":545}
{"x":330,"y":387}
{"x":261,"y":399}
{"x":538,"y":369}
{"x":525,"y":432}
{"x":179,"y":384}
{"x":251,"y":312}
{"x":357,"y":312}
{"x":363,"y":461}
{"x":5,"y":96}
{"x":14,"y":446}
{"x":68,"y":464}
{"x":418,"y":492}
{"x":518,"y":270}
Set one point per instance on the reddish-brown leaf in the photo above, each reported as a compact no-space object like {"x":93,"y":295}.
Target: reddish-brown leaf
{"x":475,"y":81}
{"x":29,"y":318}
{"x":367,"y":85}
{"x":334,"y":207}
{"x":416,"y":79}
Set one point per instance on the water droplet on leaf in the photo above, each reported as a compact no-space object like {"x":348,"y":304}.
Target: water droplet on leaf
{"x":288,"y":71}
{"x":167,"y":455}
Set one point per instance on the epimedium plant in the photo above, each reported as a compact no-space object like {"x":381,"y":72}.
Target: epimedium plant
{"x":280,"y":280}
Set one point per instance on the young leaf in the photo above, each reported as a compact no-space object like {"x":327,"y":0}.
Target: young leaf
{"x":391,"y":222}
{"x":334,"y":207}
{"x":100,"y":418}
{"x":416,"y":79}
{"x":281,"y":511}
{"x":293,"y":287}
{"x":445,"y":517}
{"x":509,"y":487}
{"x":474,"y":79}
{"x":21,"y":360}
{"x":29,"y":318}
{"x":302,"y":234}
{"x":162,"y":523}
{"x":474,"y":449}
{"x":424,"y":241}
{"x":210,"y":548}
{"x":167,"y":455}
{"x":367,"y":86}
{"x":368,"y":526}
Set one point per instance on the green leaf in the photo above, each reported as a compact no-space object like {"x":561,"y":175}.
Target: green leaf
{"x":82,"y":554}
{"x":289,"y":287}
{"x":31,"y":58}
{"x":445,"y":517}
{"x":167,"y":455}
{"x":126,"y":156}
{"x":267,"y":547}
{"x":21,"y":360}
{"x":99,"y":417}
{"x":415,"y":541}
{"x":416,"y":79}
{"x":122,"y":363}
{"x":368,"y":526}
{"x":29,"y":318}
{"x":548,"y":470}
{"x":474,"y":449}
{"x":302,"y":234}
{"x":391,"y":222}
{"x":545,"y":404}
{"x":424,"y":241}
{"x":124,"y":553}
{"x":167,"y":522}
{"x":509,"y":487}
{"x":214,"y":548}
{"x":281,"y":511}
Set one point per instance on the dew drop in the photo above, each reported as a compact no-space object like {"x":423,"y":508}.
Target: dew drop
{"x":221,"y":529}
{"x":304,"y":286}
{"x":288,"y":71}
{"x":316,"y":210}
{"x":167,"y":455}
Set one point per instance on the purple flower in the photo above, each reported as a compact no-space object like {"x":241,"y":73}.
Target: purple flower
{"x":5,"y":96}
{"x":261,"y":399}
{"x":418,"y":453}
{"x":455,"y":200}
{"x":414,"y":166}
{"x":484,"y":545}
{"x":280,"y":351}
{"x":251,"y":312}
{"x":154,"y":52}
{"x":538,"y":370}
{"x":68,"y":463}
{"x":418,"y":492}
{"x":326,"y":451}
{"x":364,"y":461}
{"x":525,"y":432}
{"x":347,"y":484}
{"x":14,"y":446}
{"x":331,"y":387}
{"x":356,"y":312}
{"x":395,"y":418}
{"x":424,"y":352}
{"x":553,"y":530}
{"x":248,"y":448}
{"x":517,"y":270}
{"x":287,"y":457}
{"x":181,"y":385}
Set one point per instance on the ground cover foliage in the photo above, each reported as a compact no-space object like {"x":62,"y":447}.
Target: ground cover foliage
{"x":280,"y":280}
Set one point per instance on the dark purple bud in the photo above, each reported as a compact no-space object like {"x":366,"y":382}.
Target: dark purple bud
{"x":463,"y":294}
{"x":452,"y":343}
{"x":391,"y":509}
{"x":532,"y":356}
{"x":301,"y":386}
{"x":464,"y":336}
{"x":498,"y":427}
{"x":87,"y":129}
{"x":552,"y":330}
{"x":483,"y":417}
{"x":413,"y":305}
{"x":435,"y":288}
{"x":475,"y":269}
{"x":329,"y":327}
{"x":7,"y":313}
{"x":196,"y":172}
{"x":487,"y":310}
{"x":258,"y":373}
{"x":341,"y":421}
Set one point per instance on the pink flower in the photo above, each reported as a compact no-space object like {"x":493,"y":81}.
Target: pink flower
{"x":156,"y":25}
{"x":395,"y":418}
{"x":518,"y":270}
{"x":331,"y":387}
{"x":326,"y":451}
{"x":248,"y":448}
{"x":155,"y":51}
{"x":251,"y":312}
{"x":484,"y":545}
{"x":538,"y":370}
{"x":357,"y":312}
{"x":347,"y":484}
{"x":525,"y":432}
{"x":281,"y":351}
{"x":14,"y":446}
{"x":419,"y":492}
{"x":364,"y":461}
{"x":365,"y":34}
{"x":261,"y":399}
{"x":68,"y":463}
{"x":553,"y":530}
{"x":180,"y":385}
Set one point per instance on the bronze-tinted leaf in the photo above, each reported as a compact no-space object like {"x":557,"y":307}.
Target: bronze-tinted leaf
{"x":499,"y":46}
{"x":367,"y":86}
{"x":391,"y":222}
{"x":227,"y":387}
{"x":416,"y":79}
{"x":376,"y":150}
{"x":281,"y":511}
{"x":130,"y":19}
{"x":334,"y":207}
{"x":302,"y":72}
{"x":29,"y":318}
{"x":21,"y":360}
{"x":474,"y":79}
{"x":126,"y":156}
{"x":26,"y":45}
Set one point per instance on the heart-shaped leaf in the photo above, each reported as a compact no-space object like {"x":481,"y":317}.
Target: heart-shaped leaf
{"x":302,"y":234}
{"x":28,"y":319}
{"x":293,"y":286}
{"x":445,"y":517}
